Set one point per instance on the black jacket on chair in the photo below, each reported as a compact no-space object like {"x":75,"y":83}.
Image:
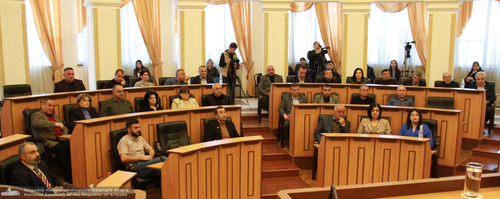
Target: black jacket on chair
{"x":197,"y":80}
{"x":214,"y":132}
{"x":23,"y":176}
{"x":77,"y":114}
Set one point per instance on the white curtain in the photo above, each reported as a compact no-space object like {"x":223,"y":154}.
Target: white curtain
{"x":303,"y":32}
{"x":133,"y":47}
{"x":40,"y":67}
{"x":480,"y":42}
{"x":82,"y":46}
{"x":387,"y":34}
{"x":219,"y":32}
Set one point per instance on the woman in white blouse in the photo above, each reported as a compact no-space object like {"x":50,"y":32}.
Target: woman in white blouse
{"x":374,"y":124}
{"x":184,"y":101}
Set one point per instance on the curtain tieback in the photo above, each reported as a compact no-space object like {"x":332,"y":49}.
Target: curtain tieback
{"x":158,"y":64}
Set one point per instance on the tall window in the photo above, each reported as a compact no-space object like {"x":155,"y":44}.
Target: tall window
{"x":303,"y":32}
{"x":81,"y":39}
{"x":387,"y":34}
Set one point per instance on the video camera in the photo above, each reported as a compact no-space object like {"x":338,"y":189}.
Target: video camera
{"x":324,"y":49}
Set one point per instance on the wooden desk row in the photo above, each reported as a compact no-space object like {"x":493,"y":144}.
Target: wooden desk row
{"x":90,"y":142}
{"x":12,"y":111}
{"x":304,"y":120}
{"x":448,"y":187}
{"x":472,"y":102}
{"x":9,"y":146}
{"x":348,"y":159}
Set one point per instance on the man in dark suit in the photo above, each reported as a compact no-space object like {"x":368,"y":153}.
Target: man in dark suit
{"x":329,"y":76}
{"x":415,"y":80}
{"x":362,"y":98}
{"x":118,"y":79}
{"x":32,"y":172}
{"x":287,"y":100}
{"x":386,"y":78}
{"x":217,"y":97}
{"x":326,"y":97}
{"x":333,"y":124}
{"x":301,"y":76}
{"x":489,"y":87}
{"x":265,"y":84}
{"x":49,"y":127}
{"x":221,"y":128}
{"x":447,"y":82}
{"x":69,"y":83}
{"x":202,"y":78}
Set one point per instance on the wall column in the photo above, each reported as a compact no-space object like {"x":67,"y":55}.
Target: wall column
{"x":192,"y":35}
{"x":355,"y":36}
{"x":14,"y":61}
{"x":276,"y":35}
{"x":104,"y":39}
{"x":168,"y":39}
{"x":69,"y":35}
{"x":441,"y":39}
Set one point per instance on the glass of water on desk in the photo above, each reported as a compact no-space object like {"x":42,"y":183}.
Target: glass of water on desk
{"x":472,"y":180}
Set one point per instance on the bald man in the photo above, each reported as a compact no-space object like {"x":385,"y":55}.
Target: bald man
{"x":401,"y":99}
{"x":447,"y":82}
{"x":265,"y":84}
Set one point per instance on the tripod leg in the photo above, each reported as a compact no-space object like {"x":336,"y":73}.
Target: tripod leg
{"x":244,"y":94}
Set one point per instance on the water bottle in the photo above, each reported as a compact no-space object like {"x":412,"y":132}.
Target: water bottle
{"x":220,"y":79}
{"x":463,"y":84}
{"x":421,"y":132}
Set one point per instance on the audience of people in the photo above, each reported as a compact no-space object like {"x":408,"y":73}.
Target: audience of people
{"x":220,"y":128}
{"x":401,"y":99}
{"x":184,"y":100}
{"x":117,"y":105}
{"x":82,"y":111}
{"x":374,"y":124}
{"x":69,"y":83}
{"x":326,"y":97}
{"x":151,"y":102}
{"x":362,"y":98}
{"x":336,"y":123}
{"x":265,"y":84}
{"x":414,"y":124}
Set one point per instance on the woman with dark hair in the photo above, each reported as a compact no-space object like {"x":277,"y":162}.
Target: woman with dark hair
{"x":184,"y":100}
{"x":472,"y":73}
{"x":144,"y":79}
{"x":374,"y":124}
{"x":138,"y":68}
{"x":211,"y":69}
{"x":413,"y":125}
{"x":357,"y":77}
{"x":82,"y":111}
{"x":151,"y":102}
{"x":393,"y":69}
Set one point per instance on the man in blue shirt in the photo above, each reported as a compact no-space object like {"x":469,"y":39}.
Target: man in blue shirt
{"x":401,"y":99}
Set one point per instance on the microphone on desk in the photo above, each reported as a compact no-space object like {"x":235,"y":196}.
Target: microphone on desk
{"x":333,"y":192}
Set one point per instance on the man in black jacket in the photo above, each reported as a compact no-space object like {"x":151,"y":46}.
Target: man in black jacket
{"x":69,"y":83}
{"x":316,"y":59}
{"x":489,"y":87}
{"x":221,"y":128}
{"x":202,"y":78}
{"x":447,"y":82}
{"x":301,"y":76}
{"x":216,"y":98}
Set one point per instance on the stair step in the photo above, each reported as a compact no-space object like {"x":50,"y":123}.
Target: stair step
{"x":493,"y":139}
{"x":487,"y":150}
{"x":489,"y":164}
{"x":257,"y":129}
{"x":273,"y":149}
{"x":279,"y":168}
{"x":268,"y":138}
{"x":271,"y":186}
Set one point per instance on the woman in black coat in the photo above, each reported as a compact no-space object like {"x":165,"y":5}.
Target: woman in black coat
{"x":82,"y":111}
{"x":151,"y":102}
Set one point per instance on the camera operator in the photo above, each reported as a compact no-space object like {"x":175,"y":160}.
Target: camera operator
{"x":316,"y":60}
{"x":229,"y":64}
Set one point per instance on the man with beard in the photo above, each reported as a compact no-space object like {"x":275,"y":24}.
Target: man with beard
{"x":132,"y":148}
{"x":32,"y":172}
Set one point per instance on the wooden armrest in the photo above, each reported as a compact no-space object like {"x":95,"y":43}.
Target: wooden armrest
{"x":118,"y":179}
{"x":156,"y":166}
{"x":433,"y":152}
{"x":316,"y":145}
{"x":65,"y":137}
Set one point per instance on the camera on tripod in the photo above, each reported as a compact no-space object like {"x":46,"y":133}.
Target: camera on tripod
{"x":324,"y":49}
{"x":408,"y":45}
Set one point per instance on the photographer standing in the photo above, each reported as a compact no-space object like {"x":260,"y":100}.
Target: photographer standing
{"x":316,"y":60}
{"x":229,"y":64}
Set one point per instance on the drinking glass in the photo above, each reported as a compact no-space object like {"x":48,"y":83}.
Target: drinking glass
{"x":472,"y":179}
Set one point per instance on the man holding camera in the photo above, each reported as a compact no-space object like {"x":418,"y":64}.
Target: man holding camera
{"x":229,"y":64}
{"x":316,"y":60}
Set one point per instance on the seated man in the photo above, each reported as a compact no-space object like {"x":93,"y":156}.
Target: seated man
{"x":327,"y":96}
{"x":303,"y":62}
{"x":301,"y":76}
{"x":180,"y":78}
{"x":220,"y":129}
{"x":265,"y":84}
{"x":30,"y":171}
{"x":482,"y":84}
{"x":217,"y":97}
{"x":386,"y":78}
{"x":117,"y":80}
{"x":363,"y":96}
{"x":295,"y":97}
{"x":415,"y":81}
{"x":448,"y":82}
{"x":116,"y":105}
{"x":202,"y":78}
{"x":401,"y":99}
{"x":69,"y":83}
{"x":333,"y":124}
{"x":329,"y":76}
{"x":47,"y":126}
{"x":132,"y":148}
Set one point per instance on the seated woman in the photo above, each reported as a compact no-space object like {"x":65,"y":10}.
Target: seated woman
{"x":150,"y":102}
{"x":374,"y":124}
{"x":357,"y":77}
{"x":144,"y":79}
{"x":184,"y":100}
{"x":472,"y":73}
{"x":413,"y":125}
{"x":138,"y":68}
{"x":82,"y":111}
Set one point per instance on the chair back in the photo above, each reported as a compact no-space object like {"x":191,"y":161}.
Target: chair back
{"x":27,"y":120}
{"x":138,"y":103}
{"x":114,"y":138}
{"x":320,"y":94}
{"x":207,"y":121}
{"x":438,"y":83}
{"x":257,"y":81}
{"x":172,"y":97}
{"x":369,"y":95}
{"x":6,"y":168}
{"x":290,"y":78}
{"x":172,"y":135}
{"x":440,"y":102}
{"x":412,"y":97}
{"x":133,"y":80}
{"x":15,"y":90}
{"x":433,"y":126}
{"x":66,"y":111}
{"x":100,"y":83}
{"x":127,"y":79}
{"x":161,"y":80}
{"x":348,"y":80}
